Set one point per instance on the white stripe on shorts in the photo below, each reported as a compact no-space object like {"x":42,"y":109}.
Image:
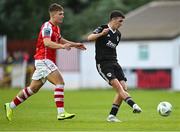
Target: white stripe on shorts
{"x":102,"y":74}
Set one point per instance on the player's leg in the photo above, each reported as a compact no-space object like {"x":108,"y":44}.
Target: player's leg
{"x":106,"y":72}
{"x":117,"y":100}
{"x":122,"y":80}
{"x":124,"y":85}
{"x":115,"y":108}
{"x":126,"y":97}
{"x":56,"y":78}
{"x":136,"y":108}
{"x":21,"y":97}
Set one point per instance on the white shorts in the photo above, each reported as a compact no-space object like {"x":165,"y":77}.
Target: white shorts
{"x":43,"y":69}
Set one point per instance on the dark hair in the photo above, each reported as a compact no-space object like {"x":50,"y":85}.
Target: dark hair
{"x":116,"y":13}
{"x":55,"y":7}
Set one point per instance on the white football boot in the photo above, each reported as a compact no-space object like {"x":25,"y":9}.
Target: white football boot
{"x":136,"y":109}
{"x":112,"y":118}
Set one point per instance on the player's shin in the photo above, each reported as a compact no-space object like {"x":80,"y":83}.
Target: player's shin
{"x":130,"y":102}
{"x":114,"y":109}
{"x":21,"y":97}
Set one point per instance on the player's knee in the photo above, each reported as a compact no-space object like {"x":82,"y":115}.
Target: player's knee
{"x":125,"y":89}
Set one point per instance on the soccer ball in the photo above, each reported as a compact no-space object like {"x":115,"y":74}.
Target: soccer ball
{"x":164,"y":108}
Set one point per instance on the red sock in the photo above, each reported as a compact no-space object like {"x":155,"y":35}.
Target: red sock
{"x":26,"y":93}
{"x":59,"y":98}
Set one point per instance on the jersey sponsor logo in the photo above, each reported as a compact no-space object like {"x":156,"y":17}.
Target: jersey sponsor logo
{"x":109,"y":74}
{"x":47,"y":32}
{"x":110,"y":44}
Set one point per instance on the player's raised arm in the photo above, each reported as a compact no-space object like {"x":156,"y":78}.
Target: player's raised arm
{"x":97,"y":34}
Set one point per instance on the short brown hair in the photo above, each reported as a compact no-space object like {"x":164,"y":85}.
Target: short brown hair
{"x":55,"y":7}
{"x":116,"y":13}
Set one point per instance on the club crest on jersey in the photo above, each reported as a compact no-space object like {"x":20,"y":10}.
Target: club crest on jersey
{"x":109,"y":74}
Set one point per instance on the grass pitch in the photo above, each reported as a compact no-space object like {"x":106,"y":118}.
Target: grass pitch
{"x":91,"y":107}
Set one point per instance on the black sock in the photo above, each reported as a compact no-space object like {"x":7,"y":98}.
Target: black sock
{"x":129,"y":101}
{"x":114,"y":109}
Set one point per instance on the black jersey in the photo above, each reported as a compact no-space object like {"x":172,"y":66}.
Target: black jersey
{"x":106,"y":45}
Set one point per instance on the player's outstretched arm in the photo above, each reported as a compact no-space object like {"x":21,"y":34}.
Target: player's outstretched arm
{"x":54,"y":45}
{"x":73,"y":44}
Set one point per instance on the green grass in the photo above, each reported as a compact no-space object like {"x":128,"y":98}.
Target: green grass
{"x":38,"y":113}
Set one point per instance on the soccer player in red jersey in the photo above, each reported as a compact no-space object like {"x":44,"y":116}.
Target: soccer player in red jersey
{"x":49,"y":40}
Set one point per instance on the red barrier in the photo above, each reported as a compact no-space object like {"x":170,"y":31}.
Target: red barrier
{"x":154,"y":79}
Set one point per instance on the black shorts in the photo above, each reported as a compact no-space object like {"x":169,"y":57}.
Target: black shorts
{"x":110,"y":70}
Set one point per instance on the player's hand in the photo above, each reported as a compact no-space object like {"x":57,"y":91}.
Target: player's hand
{"x":105,"y":31}
{"x":80,"y":46}
{"x":67,"y":46}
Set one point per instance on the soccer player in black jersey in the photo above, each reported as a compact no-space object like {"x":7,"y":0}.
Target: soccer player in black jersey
{"x":106,"y":38}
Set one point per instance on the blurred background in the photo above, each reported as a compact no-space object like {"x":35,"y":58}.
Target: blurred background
{"x":149,"y":51}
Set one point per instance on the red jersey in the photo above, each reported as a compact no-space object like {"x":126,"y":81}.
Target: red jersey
{"x":48,"y":30}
